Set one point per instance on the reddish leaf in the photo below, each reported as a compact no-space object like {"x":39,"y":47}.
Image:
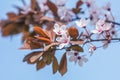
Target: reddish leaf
{"x":40,"y":64}
{"x":55,"y":65}
{"x":52,"y":7}
{"x":63,"y":65}
{"x":44,"y":18}
{"x":49,"y":59}
{"x":44,"y":40}
{"x":14,"y":17}
{"x":41,"y":32}
{"x":33,"y":4}
{"x":12,"y":28}
{"x":11,"y":15}
{"x":32,"y":43}
{"x":76,"y":10}
{"x":79,"y":3}
{"x":25,"y":36}
{"x":32,"y":57}
{"x":48,"y":56}
{"x":49,"y":28}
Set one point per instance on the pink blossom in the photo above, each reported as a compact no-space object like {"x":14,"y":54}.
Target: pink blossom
{"x":101,"y":26}
{"x":82,"y":23}
{"x":82,"y":59}
{"x":95,"y":13}
{"x":59,"y":30}
{"x":74,"y":57}
{"x":64,"y":40}
{"x":107,"y":26}
{"x":92,"y":48}
{"x":109,"y":16}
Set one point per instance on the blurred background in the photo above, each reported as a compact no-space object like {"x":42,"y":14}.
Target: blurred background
{"x":103,"y":65}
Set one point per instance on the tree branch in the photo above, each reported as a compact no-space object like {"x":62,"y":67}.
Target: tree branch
{"x":96,"y":40}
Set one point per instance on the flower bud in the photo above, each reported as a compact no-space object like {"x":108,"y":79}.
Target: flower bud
{"x":73,"y":32}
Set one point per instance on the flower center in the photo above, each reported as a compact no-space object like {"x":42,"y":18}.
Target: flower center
{"x":59,"y":32}
{"x":75,"y":54}
{"x":66,"y":41}
{"x":79,"y":57}
{"x":94,"y":47}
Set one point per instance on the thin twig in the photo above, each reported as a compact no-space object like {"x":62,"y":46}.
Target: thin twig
{"x":96,"y":40}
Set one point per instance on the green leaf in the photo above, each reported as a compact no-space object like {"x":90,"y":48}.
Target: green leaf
{"x":55,"y":65}
{"x":75,"y":48}
{"x":40,"y":64}
{"x":63,"y":65}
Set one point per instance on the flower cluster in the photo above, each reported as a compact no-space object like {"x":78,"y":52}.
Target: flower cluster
{"x":64,"y":39}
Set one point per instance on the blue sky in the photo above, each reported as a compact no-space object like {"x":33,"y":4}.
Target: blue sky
{"x":103,"y":65}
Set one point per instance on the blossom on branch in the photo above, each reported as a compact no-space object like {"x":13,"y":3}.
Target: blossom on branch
{"x":82,"y":23}
{"x":101,"y":26}
{"x":59,"y":30}
{"x":63,"y":41}
{"x":92,"y":48}
{"x":82,"y":59}
{"x":74,"y":57}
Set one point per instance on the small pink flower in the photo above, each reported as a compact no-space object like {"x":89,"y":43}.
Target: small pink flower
{"x":109,"y":16}
{"x":107,"y":26}
{"x":82,"y":59}
{"x":64,"y":40}
{"x":92,"y":48}
{"x":59,"y":30}
{"x":95,"y":13}
{"x":82,"y":23}
{"x":98,"y":30}
{"x":101,"y":26}
{"x":74,"y":57}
